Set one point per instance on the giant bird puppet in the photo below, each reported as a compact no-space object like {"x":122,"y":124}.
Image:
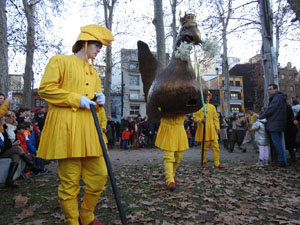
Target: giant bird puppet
{"x":173,"y":90}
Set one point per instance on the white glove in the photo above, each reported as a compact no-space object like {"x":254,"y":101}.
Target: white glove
{"x":100,"y":98}
{"x":85,"y":102}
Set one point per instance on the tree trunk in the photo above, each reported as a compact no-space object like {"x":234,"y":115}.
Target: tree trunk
{"x":108,"y":12}
{"x":28,"y":75}
{"x":268,"y":54}
{"x":295,"y":5}
{"x":158,"y":22}
{"x":225,"y":69}
{"x":173,"y":25}
{"x":3,"y":49}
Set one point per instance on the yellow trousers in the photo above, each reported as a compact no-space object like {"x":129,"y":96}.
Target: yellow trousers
{"x":171,"y":163}
{"x":94,"y":174}
{"x":214,"y":144}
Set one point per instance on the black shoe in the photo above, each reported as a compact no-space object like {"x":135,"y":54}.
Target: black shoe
{"x":10,"y":177}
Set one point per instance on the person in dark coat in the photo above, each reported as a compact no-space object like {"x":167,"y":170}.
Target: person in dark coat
{"x":117,"y":129}
{"x":296,"y":122}
{"x":290,"y":134}
{"x":276,"y":117}
{"x":110,"y":132}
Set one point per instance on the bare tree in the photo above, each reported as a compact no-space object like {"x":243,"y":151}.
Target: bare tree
{"x":225,"y":12}
{"x":3,"y":49}
{"x":108,"y":13}
{"x":28,"y":75}
{"x":26,"y":34}
{"x":284,"y":29}
{"x":158,"y":22}
{"x":174,"y":28}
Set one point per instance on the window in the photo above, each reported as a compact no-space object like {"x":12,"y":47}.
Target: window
{"x":291,"y":88}
{"x":235,"y":108}
{"x":234,"y":96}
{"x":282,"y":88}
{"x":290,"y":77}
{"x":134,"y":94}
{"x":134,"y":80}
{"x":282,"y":76}
{"x":237,"y":83}
{"x":133,"y":66}
{"x":231,"y":83}
{"x":15,"y":103}
{"x":134,"y":110}
{"x":39,"y":103}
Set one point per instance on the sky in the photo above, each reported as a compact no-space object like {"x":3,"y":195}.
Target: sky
{"x":140,"y":17}
{"x":243,"y":49}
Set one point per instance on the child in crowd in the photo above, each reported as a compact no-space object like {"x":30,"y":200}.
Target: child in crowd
{"x":31,"y":147}
{"x":125,"y":137}
{"x":22,"y":139}
{"x":262,"y":140}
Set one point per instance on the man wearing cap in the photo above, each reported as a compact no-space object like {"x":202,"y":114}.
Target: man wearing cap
{"x":69,"y":134}
{"x":212,"y":129}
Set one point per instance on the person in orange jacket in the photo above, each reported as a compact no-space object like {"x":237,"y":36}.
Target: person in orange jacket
{"x":69,"y":134}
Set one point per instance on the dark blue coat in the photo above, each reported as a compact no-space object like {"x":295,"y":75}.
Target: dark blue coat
{"x":276,"y":113}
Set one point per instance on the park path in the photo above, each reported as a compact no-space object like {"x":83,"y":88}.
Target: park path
{"x":142,"y":156}
{"x":192,"y":155}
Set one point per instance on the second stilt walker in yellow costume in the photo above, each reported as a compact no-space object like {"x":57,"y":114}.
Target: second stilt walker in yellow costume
{"x":172,"y":139}
{"x":212,"y":128}
{"x":69,"y":134}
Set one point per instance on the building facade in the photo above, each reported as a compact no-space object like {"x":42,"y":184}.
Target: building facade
{"x":289,"y":82}
{"x":236,"y":93}
{"x":132,"y":97}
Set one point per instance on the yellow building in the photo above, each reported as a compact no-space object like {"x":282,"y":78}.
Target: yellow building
{"x":236,"y":93}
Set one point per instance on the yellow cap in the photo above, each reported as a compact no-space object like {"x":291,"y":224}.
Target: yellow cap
{"x":94,"y":32}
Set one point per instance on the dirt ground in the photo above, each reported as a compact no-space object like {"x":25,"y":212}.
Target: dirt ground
{"x":143,"y":156}
{"x":154,"y":156}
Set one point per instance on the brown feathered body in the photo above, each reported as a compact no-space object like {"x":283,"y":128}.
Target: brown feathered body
{"x":174,"y":90}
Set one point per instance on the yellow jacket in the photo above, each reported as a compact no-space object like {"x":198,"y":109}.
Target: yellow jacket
{"x":3,"y":109}
{"x":69,"y":131}
{"x":171,"y":135}
{"x":211,"y":125}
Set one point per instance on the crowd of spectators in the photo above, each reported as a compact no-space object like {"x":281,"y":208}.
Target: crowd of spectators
{"x":20,"y":135}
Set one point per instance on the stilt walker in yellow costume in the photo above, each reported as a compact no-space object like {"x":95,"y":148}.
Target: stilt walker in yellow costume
{"x":172,"y":139}
{"x":212,"y":128}
{"x":69,"y":134}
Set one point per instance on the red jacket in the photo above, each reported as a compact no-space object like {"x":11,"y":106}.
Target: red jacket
{"x":126,"y":135}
